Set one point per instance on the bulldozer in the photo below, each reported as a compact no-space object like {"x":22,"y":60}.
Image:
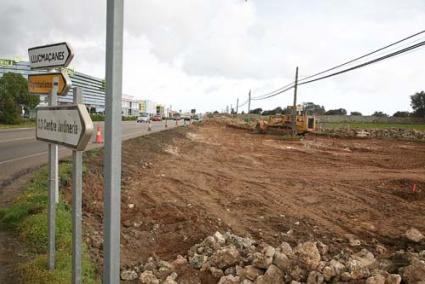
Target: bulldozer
{"x":297,"y":123}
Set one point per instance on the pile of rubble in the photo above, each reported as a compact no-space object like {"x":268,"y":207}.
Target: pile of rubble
{"x":395,"y":133}
{"x":231,"y":259}
{"x":235,"y":122}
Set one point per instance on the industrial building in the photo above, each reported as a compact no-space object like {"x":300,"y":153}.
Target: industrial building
{"x":93,"y":89}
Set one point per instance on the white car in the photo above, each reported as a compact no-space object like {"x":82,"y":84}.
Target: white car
{"x":143,"y":118}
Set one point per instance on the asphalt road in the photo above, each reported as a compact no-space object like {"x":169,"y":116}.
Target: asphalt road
{"x":20,"y":152}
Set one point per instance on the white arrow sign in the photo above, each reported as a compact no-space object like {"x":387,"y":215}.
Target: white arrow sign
{"x":49,"y":56}
{"x":68,"y":125}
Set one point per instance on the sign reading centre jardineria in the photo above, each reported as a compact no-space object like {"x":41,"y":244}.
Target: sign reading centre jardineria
{"x":68,"y":125}
{"x":49,"y":56}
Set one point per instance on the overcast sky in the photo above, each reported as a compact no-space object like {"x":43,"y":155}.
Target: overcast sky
{"x":206,"y":54}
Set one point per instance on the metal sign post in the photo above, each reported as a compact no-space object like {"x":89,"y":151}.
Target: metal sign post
{"x":77,"y":195}
{"x":41,"y":84}
{"x":112,"y":161}
{"x":51,"y":127}
{"x":53,"y":186}
{"x":50,"y":56}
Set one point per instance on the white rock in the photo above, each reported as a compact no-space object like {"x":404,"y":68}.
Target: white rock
{"x":393,"y":279}
{"x":315,"y":277}
{"x":219,"y":238}
{"x":128,"y":275}
{"x":264,"y":258}
{"x":229,"y":279}
{"x":225,"y":257}
{"x":286,"y":249}
{"x":364,"y":257}
{"x":272,"y":275}
{"x":197,"y":260}
{"x":308,"y":254}
{"x":249,"y":272}
{"x":148,"y":277}
{"x":376,"y":279}
{"x":281,"y":261}
{"x":414,"y":235}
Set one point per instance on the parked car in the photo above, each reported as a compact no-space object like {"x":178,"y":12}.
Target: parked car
{"x":157,"y":117}
{"x":143,"y":118}
{"x":186,"y":117}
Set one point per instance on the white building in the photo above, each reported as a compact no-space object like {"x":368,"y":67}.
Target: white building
{"x":130,"y":106}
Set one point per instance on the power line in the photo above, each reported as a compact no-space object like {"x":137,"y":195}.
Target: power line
{"x":363,"y":56}
{"x":272,"y":92}
{"x":272,"y":95}
{"x":368,"y":62}
{"x":291,"y":85}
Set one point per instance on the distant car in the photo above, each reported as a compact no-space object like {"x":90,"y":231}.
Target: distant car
{"x":186,"y":117}
{"x":143,"y":118}
{"x":196,"y":117}
{"x":176,"y":117}
{"x":157,"y":117}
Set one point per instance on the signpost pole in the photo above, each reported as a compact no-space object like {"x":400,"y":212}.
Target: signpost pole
{"x":77,"y":182}
{"x":112,"y":161}
{"x":53,"y":185}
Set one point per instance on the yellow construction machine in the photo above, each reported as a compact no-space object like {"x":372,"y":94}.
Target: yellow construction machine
{"x":297,"y":123}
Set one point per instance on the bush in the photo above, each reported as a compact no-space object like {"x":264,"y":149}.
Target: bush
{"x":401,"y":114}
{"x":340,"y":111}
{"x":129,"y":118}
{"x":28,"y":217}
{"x":356,"y":113}
{"x":379,"y":114}
{"x":97,"y":117}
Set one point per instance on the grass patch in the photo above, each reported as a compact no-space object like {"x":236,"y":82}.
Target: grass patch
{"x":28,"y":218}
{"x":370,"y":125}
{"x":22,"y":124}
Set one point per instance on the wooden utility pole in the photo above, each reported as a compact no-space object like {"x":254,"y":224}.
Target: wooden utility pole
{"x":249,"y":101}
{"x":294,"y":111}
{"x":237,"y":105}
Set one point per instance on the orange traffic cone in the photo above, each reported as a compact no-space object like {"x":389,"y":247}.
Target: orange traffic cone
{"x":99,"y":139}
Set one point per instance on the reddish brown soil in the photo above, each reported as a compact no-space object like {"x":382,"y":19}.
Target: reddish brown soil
{"x":209,"y":178}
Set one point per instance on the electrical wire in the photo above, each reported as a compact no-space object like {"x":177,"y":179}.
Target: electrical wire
{"x":290,"y":85}
{"x":361,"y":57}
{"x":273,"y":95}
{"x":367,"y":63}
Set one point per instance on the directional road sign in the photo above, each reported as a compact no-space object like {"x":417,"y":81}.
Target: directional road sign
{"x":68,"y":125}
{"x":50,"y":56}
{"x":42,"y":84}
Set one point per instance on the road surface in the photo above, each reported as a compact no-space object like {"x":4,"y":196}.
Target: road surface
{"x":20,"y":152}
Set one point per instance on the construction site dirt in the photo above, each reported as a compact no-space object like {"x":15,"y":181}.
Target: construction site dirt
{"x":181,"y":185}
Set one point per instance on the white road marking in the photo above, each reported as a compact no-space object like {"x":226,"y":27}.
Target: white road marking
{"x":23,"y":158}
{"x":18,"y":139}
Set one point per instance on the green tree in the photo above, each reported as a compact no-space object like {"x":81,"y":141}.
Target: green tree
{"x":401,"y":114}
{"x":277,"y":110}
{"x":311,"y":108}
{"x":14,"y":95}
{"x":340,"y":111}
{"x":379,"y":114}
{"x":256,"y":111}
{"x":417,"y":101}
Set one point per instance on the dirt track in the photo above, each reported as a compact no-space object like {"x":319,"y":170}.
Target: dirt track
{"x":187,"y":183}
